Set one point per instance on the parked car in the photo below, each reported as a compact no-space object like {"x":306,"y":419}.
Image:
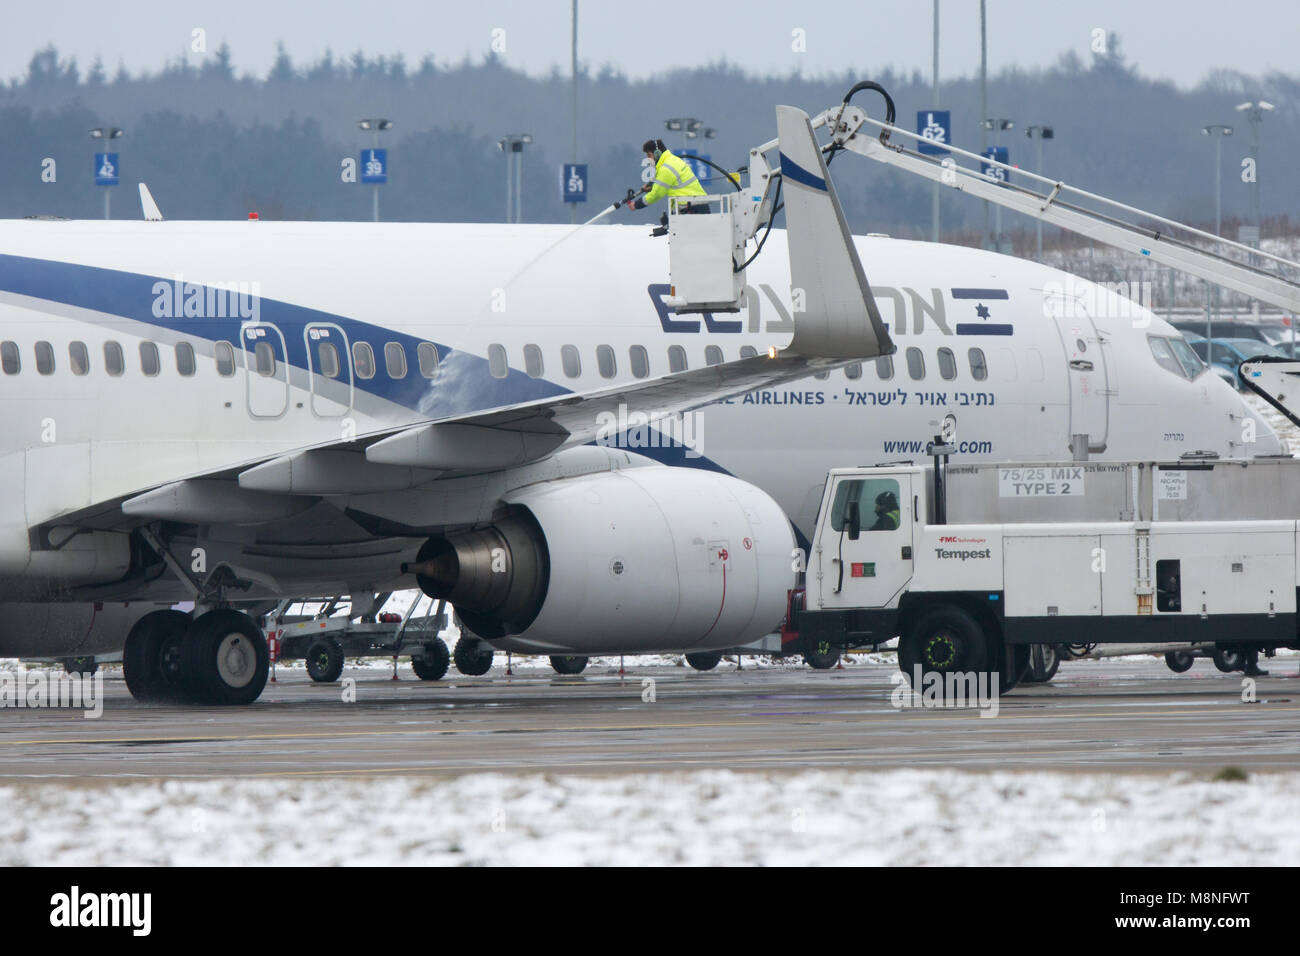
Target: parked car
{"x":1229,"y":353}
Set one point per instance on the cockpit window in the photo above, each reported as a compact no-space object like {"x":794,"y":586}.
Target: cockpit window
{"x":1163,"y":353}
{"x":1185,"y":354}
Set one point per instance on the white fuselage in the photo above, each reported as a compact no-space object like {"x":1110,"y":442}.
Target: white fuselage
{"x":78,"y":435}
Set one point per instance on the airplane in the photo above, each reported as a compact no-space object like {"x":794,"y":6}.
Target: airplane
{"x":232,"y":412}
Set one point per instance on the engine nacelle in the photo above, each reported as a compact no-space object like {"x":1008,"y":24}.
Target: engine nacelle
{"x":635,"y":561}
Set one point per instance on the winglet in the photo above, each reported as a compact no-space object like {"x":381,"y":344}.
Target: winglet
{"x":151,"y":211}
{"x":839,"y":318}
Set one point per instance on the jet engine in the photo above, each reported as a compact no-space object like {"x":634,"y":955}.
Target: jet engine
{"x":641,"y":560}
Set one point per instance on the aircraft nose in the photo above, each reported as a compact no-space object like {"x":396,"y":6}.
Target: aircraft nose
{"x":1267,"y":439}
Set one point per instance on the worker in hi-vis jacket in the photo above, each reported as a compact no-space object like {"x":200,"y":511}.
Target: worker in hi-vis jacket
{"x":673,"y":177}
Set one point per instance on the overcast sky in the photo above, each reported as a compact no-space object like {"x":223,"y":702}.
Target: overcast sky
{"x":1178,"y":40}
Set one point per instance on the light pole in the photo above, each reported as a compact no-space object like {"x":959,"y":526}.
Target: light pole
{"x":375,"y":126}
{"x":1040,"y":133}
{"x":109,"y":133}
{"x":573,"y":64}
{"x":997,"y":125}
{"x":984,"y":98}
{"x":1218,"y":131}
{"x":513,"y":145}
{"x":684,"y":125}
{"x":934,"y":195}
{"x":1255,"y":110}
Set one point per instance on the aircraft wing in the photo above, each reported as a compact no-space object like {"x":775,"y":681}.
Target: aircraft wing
{"x":396,"y":459}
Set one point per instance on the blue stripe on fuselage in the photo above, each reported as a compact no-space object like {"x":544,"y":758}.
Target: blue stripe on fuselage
{"x":463,"y":383}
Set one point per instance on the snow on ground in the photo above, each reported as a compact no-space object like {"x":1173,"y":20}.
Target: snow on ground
{"x":902,"y":817}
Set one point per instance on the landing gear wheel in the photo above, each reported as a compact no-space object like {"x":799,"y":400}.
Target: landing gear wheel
{"x":1044,"y":660}
{"x":225,"y":659}
{"x":473,"y":656}
{"x":433,"y":665}
{"x":705,"y":660}
{"x":324,"y":661}
{"x":821,"y":656}
{"x":84,"y":666}
{"x":1179,"y":661}
{"x":942,"y":641}
{"x":151,"y":657}
{"x":568,"y":664}
{"x":1229,"y":659}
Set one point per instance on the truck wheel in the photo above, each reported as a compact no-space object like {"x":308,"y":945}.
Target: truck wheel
{"x":433,"y":664}
{"x":704,"y":661}
{"x":151,"y":657}
{"x":568,"y":663}
{"x":942,"y":641}
{"x":324,"y":661}
{"x":1043,"y":664}
{"x":1229,"y":659}
{"x":821,"y":656}
{"x":473,"y":656}
{"x":1179,"y":661}
{"x":224,"y":658}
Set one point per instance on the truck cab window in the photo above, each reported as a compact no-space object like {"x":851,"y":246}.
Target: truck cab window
{"x":877,"y":500}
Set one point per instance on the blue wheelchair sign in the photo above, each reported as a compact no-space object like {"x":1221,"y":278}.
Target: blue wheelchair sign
{"x":935,"y":129}
{"x":374,"y":165}
{"x":573,"y":182}
{"x":106,"y":169}
{"x":999,"y":154}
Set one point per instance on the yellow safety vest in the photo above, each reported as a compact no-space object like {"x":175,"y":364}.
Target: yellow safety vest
{"x":673,"y":177}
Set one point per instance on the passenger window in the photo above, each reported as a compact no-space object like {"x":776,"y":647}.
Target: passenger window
{"x":497,"y":363}
{"x":10,"y":358}
{"x":571,"y":361}
{"x":713,"y":355}
{"x":1007,"y":364}
{"x":748,"y":351}
{"x":45,"y":358}
{"x":78,"y":358}
{"x":265,"y":356}
{"x":328,"y":359}
{"x":853,"y":371}
{"x":947,"y":365}
{"x":533,"y":361}
{"x":363,"y":360}
{"x":605,"y":361}
{"x":676,"y":358}
{"x":979,"y":369}
{"x":915,"y":364}
{"x":395,"y":360}
{"x":185,"y":358}
{"x":1164,"y":355}
{"x":640,"y":361}
{"x":224,"y":353}
{"x":114,"y":362}
{"x":876,"y":500}
{"x":885,"y":367}
{"x":821,"y":376}
{"x":150,"y":363}
{"x":426,"y":353}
